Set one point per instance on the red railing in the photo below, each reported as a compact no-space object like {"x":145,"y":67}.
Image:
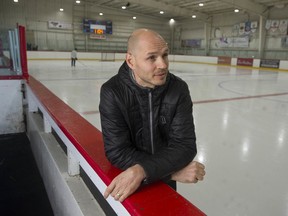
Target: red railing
{"x":155,"y":199}
{"x":23,"y":51}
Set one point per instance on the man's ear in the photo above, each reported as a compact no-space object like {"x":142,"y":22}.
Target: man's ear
{"x":130,"y":60}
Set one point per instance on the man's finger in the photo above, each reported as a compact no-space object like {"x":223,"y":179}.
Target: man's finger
{"x":200,"y":177}
{"x":117,"y":196}
{"x":109,"y":190}
{"x":199,"y":165}
{"x":122,"y":198}
{"x":124,"y":195}
{"x":106,"y":193}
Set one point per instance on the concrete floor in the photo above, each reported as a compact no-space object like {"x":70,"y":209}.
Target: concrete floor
{"x":241,"y":119}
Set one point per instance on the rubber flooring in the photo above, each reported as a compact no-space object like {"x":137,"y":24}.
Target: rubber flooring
{"x":22,"y":191}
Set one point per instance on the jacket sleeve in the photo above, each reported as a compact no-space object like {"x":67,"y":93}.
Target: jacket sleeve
{"x":116,"y":133}
{"x":181,"y":148}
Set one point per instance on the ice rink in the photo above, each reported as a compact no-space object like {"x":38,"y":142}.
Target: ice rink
{"x":241,"y":120}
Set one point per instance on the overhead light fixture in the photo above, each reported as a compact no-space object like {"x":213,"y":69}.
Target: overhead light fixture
{"x":236,"y":10}
{"x":101,"y":14}
{"x":201,"y":4}
{"x":134,"y":17}
{"x":194,"y":16}
{"x":78,"y":1}
{"x":61,"y":9}
{"x":171,"y":21}
{"x":126,"y":6}
{"x":161,"y":12}
{"x":15,"y":0}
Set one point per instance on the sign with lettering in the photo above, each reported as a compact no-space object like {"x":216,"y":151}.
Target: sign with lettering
{"x":225,"y":60}
{"x":245,"y":62}
{"x":270,"y":63}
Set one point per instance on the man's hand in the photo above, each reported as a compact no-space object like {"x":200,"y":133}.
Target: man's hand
{"x":125,"y":183}
{"x":193,"y":172}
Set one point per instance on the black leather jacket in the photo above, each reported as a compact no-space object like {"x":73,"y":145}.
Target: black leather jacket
{"x":150,"y":127}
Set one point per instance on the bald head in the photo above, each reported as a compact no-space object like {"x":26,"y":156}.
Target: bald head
{"x":142,"y":35}
{"x":147,"y":57}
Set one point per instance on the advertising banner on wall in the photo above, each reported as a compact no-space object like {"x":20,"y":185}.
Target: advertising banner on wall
{"x":277,"y":26}
{"x":194,"y":43}
{"x":59,"y":25}
{"x":245,"y":61}
{"x":224,"y":60}
{"x":283,"y":26}
{"x":274,"y":25}
{"x":270,"y":63}
{"x":97,"y":37}
{"x":237,"y":42}
{"x":241,"y":28}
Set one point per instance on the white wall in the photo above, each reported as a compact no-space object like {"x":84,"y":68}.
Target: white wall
{"x":191,"y":29}
{"x":34,"y":14}
{"x":48,"y":55}
{"x":32,"y":55}
{"x":68,"y":195}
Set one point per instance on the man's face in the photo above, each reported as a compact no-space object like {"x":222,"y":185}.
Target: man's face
{"x":149,"y":62}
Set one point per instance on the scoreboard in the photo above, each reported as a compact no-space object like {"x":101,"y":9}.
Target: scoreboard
{"x":98,"y":27}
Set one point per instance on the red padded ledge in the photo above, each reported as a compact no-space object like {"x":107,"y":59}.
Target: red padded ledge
{"x":11,"y":77}
{"x":155,"y":199}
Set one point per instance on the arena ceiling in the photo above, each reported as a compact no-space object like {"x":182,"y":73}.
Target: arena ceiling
{"x":184,"y":9}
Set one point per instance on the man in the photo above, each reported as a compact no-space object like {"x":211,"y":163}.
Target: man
{"x":73,"y":57}
{"x":147,"y":122}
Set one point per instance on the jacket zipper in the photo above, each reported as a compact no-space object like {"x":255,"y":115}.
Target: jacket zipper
{"x":151,"y":121}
